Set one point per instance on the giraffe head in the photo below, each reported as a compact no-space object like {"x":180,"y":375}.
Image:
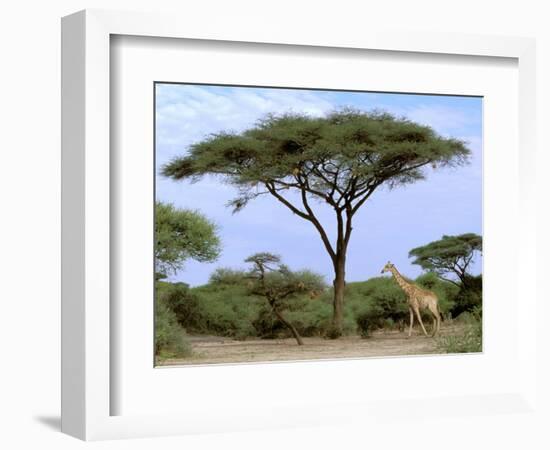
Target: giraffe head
{"x":387,"y":268}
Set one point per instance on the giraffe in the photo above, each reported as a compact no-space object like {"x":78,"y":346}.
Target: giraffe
{"x":418,"y":299}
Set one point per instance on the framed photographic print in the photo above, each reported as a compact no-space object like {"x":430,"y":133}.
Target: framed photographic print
{"x":241,"y":278}
{"x":254,"y":225}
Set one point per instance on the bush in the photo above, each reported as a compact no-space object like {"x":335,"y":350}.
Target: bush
{"x":218,"y":308}
{"x":469,"y":297}
{"x":471,"y":341}
{"x":376,"y":303}
{"x":333,"y":332}
{"x":185,"y":305}
{"x":311,"y":317}
{"x":226,"y":310}
{"x":170,"y":340}
{"x":364,"y":324}
{"x":225,"y":276}
{"x":267,"y":326}
{"x":226,"y":307}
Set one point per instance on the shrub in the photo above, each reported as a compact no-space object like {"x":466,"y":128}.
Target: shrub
{"x":266,"y":324}
{"x":469,"y":297}
{"x":333,"y":332}
{"x":471,"y":340}
{"x":225,"y":276}
{"x":170,"y":340}
{"x":311,"y":317}
{"x":376,"y":303}
{"x":217,"y":308}
{"x":226,"y":307}
{"x":364,"y":324}
{"x":184,"y":304}
{"x":226,"y":310}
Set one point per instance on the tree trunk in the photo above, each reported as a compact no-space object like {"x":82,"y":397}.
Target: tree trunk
{"x":291,"y":327}
{"x":338,"y":301}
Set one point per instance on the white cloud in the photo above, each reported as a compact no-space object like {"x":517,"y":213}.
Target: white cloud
{"x":187,"y":113}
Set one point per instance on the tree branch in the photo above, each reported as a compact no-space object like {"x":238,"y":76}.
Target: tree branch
{"x":450,"y":281}
{"x":285,"y":202}
{"x":319,"y":227}
{"x":301,"y":187}
{"x":349,"y":227}
{"x":364,"y":198}
{"x":310,"y":216}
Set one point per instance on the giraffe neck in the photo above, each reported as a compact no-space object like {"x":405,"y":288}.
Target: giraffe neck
{"x":400,"y":280}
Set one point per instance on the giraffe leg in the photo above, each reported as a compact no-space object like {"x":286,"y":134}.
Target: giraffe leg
{"x":437,"y":319}
{"x":419,"y":317}
{"x":411,"y":321}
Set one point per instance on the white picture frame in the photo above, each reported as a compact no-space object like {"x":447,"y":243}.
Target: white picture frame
{"x":87,"y":384}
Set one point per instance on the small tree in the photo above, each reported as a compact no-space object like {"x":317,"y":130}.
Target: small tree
{"x":182,"y":234}
{"x":338,"y":160}
{"x":278,"y":285}
{"x":449,"y":256}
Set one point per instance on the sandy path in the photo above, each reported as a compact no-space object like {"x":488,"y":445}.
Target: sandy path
{"x":216,"y":350}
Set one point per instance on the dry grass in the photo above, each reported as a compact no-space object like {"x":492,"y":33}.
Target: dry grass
{"x":217,"y":350}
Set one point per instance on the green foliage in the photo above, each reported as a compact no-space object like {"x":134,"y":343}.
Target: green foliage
{"x":182,"y":234}
{"x":281,"y":287}
{"x":226,"y":310}
{"x":311,"y":316}
{"x":217,"y":308}
{"x":451,"y":255}
{"x":266,"y":324}
{"x":376,"y":303}
{"x":275,"y":282}
{"x":170,"y":341}
{"x":471,"y":340}
{"x":263,"y":261}
{"x":231,"y":305}
{"x":185,"y":305}
{"x":469,"y":298}
{"x":225,"y":276}
{"x":352,"y":150}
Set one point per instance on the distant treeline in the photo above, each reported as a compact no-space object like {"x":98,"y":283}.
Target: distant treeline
{"x":226,"y":307}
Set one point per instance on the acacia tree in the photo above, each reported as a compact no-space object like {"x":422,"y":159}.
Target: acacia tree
{"x":450,"y":255}
{"x":182,"y":234}
{"x":275,"y":282}
{"x":338,"y":160}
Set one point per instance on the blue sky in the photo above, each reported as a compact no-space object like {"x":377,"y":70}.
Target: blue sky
{"x":388,"y":225}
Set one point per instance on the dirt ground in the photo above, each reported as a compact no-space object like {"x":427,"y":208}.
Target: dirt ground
{"x":217,"y":350}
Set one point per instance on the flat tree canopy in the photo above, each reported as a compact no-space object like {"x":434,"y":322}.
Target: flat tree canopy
{"x":339,"y":159}
{"x":182,"y":234}
{"x":450,"y":255}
